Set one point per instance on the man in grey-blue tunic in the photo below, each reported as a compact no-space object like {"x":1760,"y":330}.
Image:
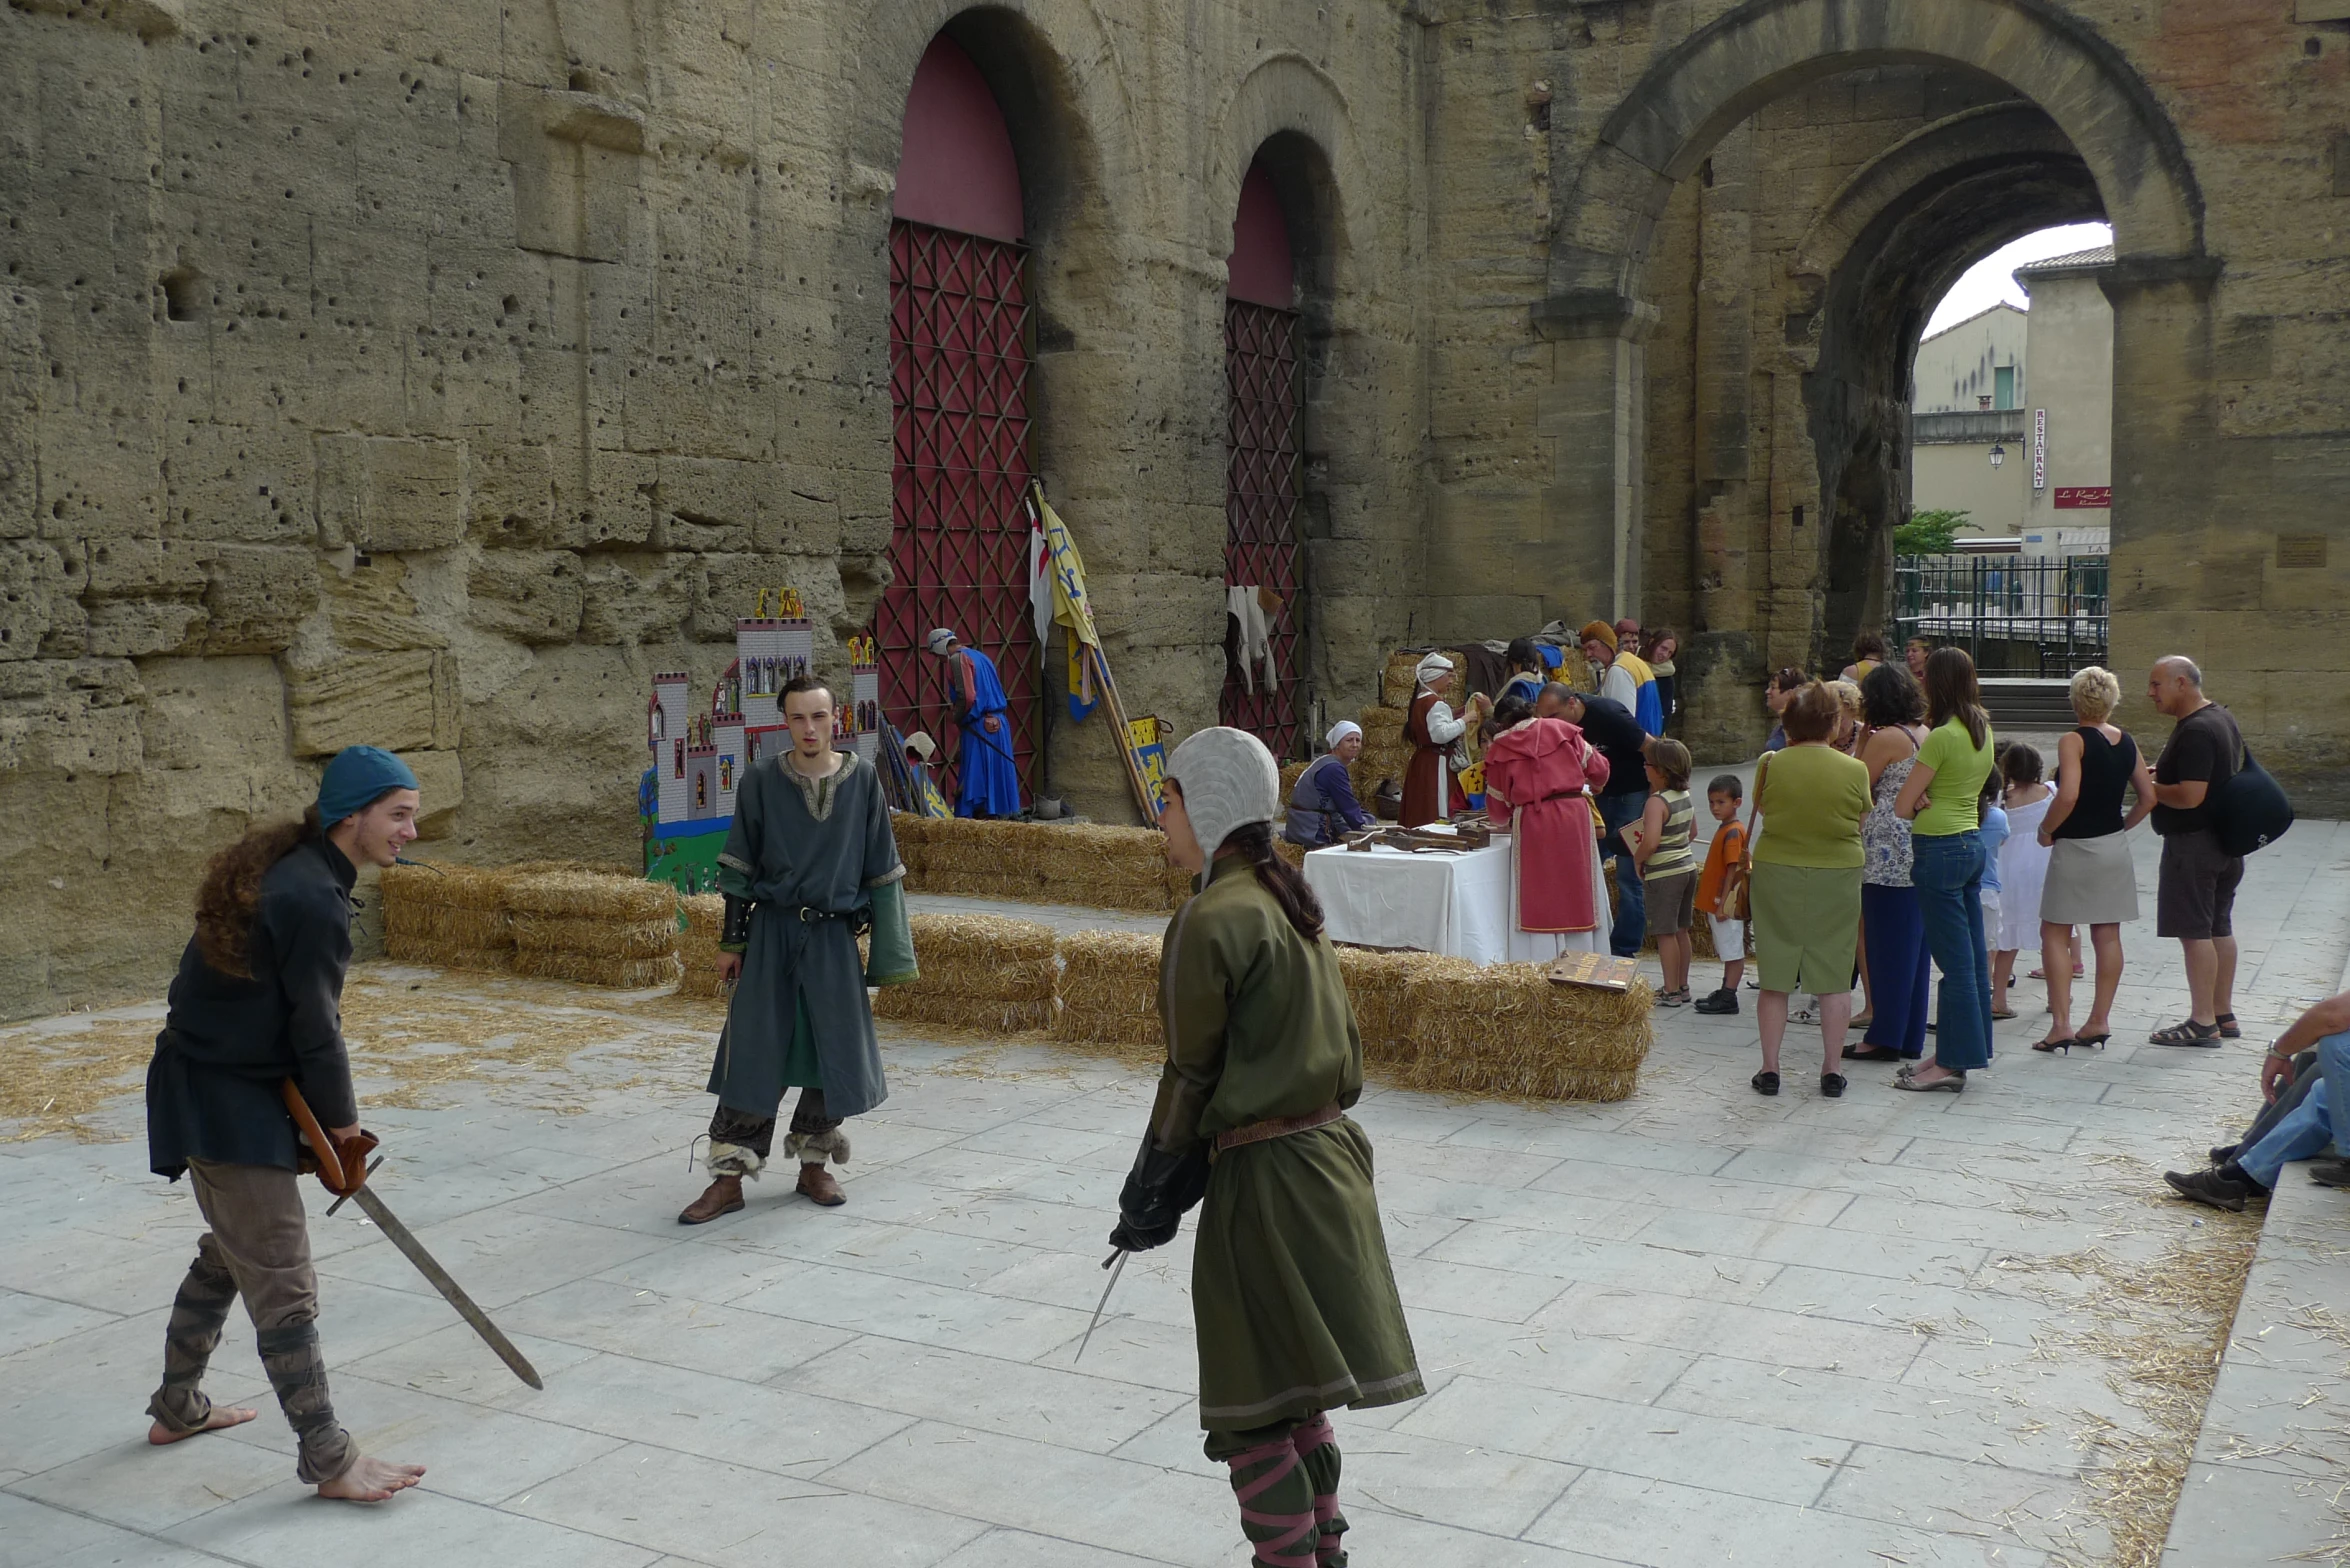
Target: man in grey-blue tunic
{"x":809,"y":865}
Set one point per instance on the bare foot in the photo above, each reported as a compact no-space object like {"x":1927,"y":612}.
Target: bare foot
{"x":371,"y":1481}
{"x":222,"y":1416}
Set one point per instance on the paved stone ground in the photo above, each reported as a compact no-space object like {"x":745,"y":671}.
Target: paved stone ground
{"x":1696,"y":1327}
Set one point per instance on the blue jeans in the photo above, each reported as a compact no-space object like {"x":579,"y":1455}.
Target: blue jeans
{"x":1947,"y":871}
{"x":1900,"y":969}
{"x":2309,"y":1126}
{"x":1631,"y":927}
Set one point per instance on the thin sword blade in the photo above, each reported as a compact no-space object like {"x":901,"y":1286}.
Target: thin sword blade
{"x":454,"y":1293}
{"x":1123,"y":1255}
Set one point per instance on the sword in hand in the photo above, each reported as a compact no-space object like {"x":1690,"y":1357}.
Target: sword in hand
{"x":343,"y":1169}
{"x":1119,"y":1258}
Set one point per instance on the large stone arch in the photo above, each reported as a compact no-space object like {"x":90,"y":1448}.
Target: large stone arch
{"x":1665,"y":125}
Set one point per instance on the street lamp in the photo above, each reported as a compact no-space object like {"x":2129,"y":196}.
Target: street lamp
{"x":1998,"y":455}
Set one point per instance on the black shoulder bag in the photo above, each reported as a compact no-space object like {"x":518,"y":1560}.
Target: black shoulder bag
{"x":2249,"y":809}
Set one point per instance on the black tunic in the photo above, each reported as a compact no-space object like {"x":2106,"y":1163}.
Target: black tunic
{"x":212,"y":1090}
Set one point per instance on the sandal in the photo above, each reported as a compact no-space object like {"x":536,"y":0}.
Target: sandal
{"x":2092,"y":1042}
{"x":2229,"y":1029}
{"x":2188,"y":1033}
{"x":1954,"y":1084}
{"x":2002,"y":1014}
{"x":2047,"y":1047}
{"x":1765,"y":1082}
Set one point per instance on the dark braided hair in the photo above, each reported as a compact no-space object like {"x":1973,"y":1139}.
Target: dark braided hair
{"x":1287,"y":884}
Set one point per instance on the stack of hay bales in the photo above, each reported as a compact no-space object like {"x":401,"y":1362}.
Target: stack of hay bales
{"x":978,"y":972}
{"x":1379,"y":985}
{"x":595,"y":927}
{"x":913,"y":836}
{"x":697,"y":946}
{"x":1505,"y":1030}
{"x":1109,"y":990}
{"x":1386,"y":754}
{"x":452,"y":917}
{"x":1072,"y":863}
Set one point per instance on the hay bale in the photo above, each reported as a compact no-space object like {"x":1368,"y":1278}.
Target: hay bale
{"x":1386,"y":754}
{"x":592,"y":938}
{"x":980,"y":972}
{"x":1504,"y":1029}
{"x":444,"y":908}
{"x":587,"y":893}
{"x":1032,"y":862}
{"x":456,"y":925}
{"x":443,"y":886}
{"x":618,"y":974}
{"x":1109,"y":990}
{"x":1379,"y":985}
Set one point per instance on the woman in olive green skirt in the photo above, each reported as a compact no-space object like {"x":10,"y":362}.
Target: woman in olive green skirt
{"x":1292,"y":1294}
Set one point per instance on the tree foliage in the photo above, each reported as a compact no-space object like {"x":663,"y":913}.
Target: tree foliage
{"x":1930,"y":532}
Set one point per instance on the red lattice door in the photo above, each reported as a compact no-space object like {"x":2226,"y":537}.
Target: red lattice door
{"x":1263,"y":486}
{"x":958,"y":547}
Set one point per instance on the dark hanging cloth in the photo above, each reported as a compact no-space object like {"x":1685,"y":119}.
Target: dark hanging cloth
{"x":1485,"y":670}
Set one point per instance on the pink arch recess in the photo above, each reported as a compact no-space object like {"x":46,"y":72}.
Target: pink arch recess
{"x":956,"y":170}
{"x":1259,"y":270}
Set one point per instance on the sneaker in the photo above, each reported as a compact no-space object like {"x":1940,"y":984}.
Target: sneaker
{"x":2211,"y":1187}
{"x":1719,"y":1004}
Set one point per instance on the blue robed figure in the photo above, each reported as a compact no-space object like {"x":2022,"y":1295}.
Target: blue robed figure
{"x":987,"y":784}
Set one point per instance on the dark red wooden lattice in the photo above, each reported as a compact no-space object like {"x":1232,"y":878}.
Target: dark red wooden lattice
{"x":958,"y":545}
{"x":1262,"y":488}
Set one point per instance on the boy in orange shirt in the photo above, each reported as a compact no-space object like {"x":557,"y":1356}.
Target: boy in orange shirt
{"x":1718,"y":890}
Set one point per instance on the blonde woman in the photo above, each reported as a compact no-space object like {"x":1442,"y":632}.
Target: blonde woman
{"x":2090,"y":879}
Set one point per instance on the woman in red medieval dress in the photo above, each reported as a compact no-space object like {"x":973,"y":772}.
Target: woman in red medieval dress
{"x":1539,"y":775}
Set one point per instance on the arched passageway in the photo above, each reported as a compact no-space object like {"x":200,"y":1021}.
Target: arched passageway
{"x":1730,"y":380}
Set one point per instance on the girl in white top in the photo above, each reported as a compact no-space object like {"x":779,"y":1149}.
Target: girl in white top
{"x":2023,"y":865}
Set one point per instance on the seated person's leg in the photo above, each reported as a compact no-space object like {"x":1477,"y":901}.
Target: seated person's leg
{"x":2333,"y":1066}
{"x":2297,"y":1136}
{"x":2305,"y":1078}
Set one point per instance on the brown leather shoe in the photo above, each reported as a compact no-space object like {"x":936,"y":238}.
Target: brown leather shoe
{"x":817,"y":1183}
{"x":724,"y":1197}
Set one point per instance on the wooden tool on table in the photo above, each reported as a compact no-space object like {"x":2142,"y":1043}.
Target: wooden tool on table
{"x":343,"y":1170}
{"x":1413,"y":841}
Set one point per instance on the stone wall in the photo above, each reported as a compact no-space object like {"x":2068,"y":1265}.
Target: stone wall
{"x":429,"y":376}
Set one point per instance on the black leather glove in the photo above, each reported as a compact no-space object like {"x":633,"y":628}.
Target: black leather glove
{"x":860,"y":920}
{"x":1159,"y":1191}
{"x":735,"y":934}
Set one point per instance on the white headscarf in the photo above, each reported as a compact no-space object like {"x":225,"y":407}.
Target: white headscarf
{"x":1229,"y":780}
{"x":1339,"y":732}
{"x":1433,"y":666}
{"x":938,"y":640}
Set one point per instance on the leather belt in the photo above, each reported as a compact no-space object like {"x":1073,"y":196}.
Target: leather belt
{"x":1278,"y":1127}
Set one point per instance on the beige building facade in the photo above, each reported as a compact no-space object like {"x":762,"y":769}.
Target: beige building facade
{"x":430,"y":376}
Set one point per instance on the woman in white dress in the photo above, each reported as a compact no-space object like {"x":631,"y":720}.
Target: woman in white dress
{"x":2023,"y":865}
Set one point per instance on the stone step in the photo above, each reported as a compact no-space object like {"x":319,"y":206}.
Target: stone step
{"x":2024,"y":704}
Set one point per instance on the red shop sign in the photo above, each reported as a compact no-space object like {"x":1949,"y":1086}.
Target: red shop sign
{"x":2084,"y":498}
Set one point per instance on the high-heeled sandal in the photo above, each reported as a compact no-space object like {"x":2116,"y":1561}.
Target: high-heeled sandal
{"x":2047,"y":1047}
{"x":2092,"y":1042}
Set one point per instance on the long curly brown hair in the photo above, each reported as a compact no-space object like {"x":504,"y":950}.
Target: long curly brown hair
{"x":232,"y":891}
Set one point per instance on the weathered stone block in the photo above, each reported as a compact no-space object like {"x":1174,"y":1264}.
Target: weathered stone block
{"x":20,"y":387}
{"x":633,"y":598}
{"x":370,"y":608}
{"x":391,"y":493}
{"x":619,"y":513}
{"x":33,"y":578}
{"x":372,"y":699}
{"x":514,"y":496}
{"x":257,"y":597}
{"x":712,"y":504}
{"x":72,"y":715}
{"x":222,"y":718}
{"x":534,"y":596}
{"x":229,"y":482}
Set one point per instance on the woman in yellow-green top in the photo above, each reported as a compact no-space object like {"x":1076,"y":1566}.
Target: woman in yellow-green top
{"x":1938,"y":800}
{"x":1806,"y":860}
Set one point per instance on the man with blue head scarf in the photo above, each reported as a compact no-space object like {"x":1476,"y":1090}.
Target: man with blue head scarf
{"x":258,"y":1002}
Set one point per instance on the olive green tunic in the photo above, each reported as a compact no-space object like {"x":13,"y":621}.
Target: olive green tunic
{"x":1292,"y":1294}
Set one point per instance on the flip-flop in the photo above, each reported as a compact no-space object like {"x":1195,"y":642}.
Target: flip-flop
{"x":1997,"y":1013}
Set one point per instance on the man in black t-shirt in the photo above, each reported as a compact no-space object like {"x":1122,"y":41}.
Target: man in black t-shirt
{"x":1609,"y":725}
{"x":2197,"y":896}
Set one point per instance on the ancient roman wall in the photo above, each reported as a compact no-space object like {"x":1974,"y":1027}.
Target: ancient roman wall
{"x":430,"y":375}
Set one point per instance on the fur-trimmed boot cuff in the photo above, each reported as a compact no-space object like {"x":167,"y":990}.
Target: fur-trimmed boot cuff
{"x":812,"y":1148}
{"x":732,"y":1159}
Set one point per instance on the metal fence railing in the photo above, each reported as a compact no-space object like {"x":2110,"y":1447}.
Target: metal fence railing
{"x":2014,"y":615}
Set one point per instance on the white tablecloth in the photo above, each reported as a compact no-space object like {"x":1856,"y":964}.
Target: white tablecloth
{"x":1455,"y":904}
{"x":1459,"y":905}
